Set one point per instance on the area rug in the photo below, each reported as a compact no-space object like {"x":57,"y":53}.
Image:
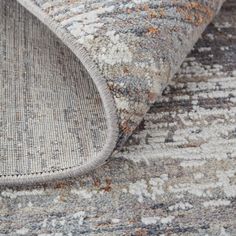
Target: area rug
{"x":78,"y":76}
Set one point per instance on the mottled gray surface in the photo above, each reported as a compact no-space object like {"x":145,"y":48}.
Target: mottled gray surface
{"x":176,"y":175}
{"x":138,"y":45}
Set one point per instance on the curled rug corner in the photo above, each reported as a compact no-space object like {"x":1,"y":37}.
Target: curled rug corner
{"x":77,"y":77}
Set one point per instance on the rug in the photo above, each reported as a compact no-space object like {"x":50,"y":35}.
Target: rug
{"x":77,"y":77}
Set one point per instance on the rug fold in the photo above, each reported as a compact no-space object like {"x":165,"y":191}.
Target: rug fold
{"x":78,"y":76}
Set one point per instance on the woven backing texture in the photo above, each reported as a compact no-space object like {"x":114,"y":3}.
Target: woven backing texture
{"x":51,"y":114}
{"x":55,"y":122}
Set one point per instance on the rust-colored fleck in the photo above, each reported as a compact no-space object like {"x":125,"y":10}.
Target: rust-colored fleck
{"x":61,"y":185}
{"x":107,"y":188}
{"x":153,"y":30}
{"x":125,"y":70}
{"x":152,"y":14}
{"x":125,"y":127}
{"x":145,"y":7}
{"x":97,"y":182}
{"x":162,"y":12}
{"x":141,"y":232}
{"x":195,"y":13}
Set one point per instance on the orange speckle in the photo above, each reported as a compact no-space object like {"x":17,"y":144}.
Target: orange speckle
{"x":195,"y":13}
{"x":107,"y":188}
{"x":153,"y":30}
{"x":125,"y":128}
{"x":152,"y":14}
